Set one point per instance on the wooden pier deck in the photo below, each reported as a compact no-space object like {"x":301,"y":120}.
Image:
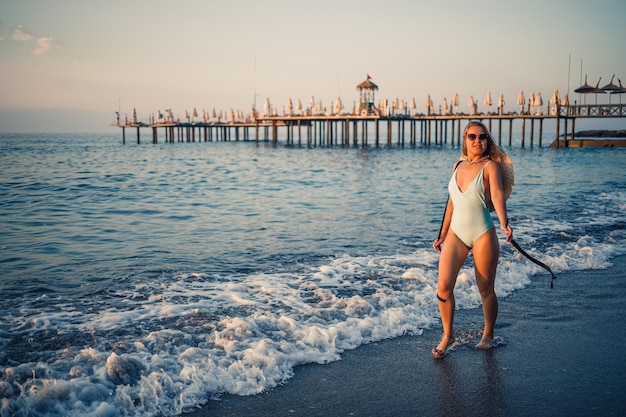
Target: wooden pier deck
{"x":357,"y":130}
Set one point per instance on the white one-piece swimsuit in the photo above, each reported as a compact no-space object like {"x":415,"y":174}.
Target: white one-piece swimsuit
{"x":470,"y":218}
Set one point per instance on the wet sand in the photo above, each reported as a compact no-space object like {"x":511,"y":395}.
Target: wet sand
{"x":561,"y":353}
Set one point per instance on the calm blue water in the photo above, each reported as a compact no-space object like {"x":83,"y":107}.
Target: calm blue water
{"x":141,"y":280}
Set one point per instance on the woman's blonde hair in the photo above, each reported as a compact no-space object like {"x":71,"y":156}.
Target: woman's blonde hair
{"x":492,"y":149}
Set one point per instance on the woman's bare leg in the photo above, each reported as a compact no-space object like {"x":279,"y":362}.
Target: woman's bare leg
{"x":486,"y":253}
{"x":453,"y":254}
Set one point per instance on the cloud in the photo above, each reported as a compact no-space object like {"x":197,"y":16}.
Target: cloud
{"x":22,"y":33}
{"x":44,"y":45}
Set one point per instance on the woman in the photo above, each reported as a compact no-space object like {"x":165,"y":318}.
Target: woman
{"x":476,"y":184}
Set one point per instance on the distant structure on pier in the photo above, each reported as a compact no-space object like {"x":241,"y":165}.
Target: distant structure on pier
{"x":366,"y":97}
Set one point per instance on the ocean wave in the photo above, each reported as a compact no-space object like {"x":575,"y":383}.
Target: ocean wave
{"x":165,"y":349}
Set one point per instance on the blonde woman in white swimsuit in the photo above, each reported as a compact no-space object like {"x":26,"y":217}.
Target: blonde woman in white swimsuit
{"x":476,"y":184}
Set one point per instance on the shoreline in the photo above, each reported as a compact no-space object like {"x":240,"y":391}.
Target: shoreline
{"x":552,"y":359}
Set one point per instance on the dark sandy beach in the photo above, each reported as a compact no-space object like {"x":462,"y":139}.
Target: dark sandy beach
{"x":561,"y":354}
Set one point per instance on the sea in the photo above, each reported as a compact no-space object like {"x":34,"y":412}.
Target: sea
{"x":147,"y":279}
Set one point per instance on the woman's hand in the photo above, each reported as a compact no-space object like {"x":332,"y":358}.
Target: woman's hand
{"x":437,"y":244}
{"x":508,"y":230}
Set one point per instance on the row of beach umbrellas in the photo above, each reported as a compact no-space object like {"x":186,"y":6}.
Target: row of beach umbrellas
{"x":230,"y":115}
{"x":535,"y":100}
{"x":610,"y":89}
{"x":316,"y":107}
{"x":385,"y":107}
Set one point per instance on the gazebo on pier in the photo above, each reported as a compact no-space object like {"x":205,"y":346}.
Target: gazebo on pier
{"x":366,"y":97}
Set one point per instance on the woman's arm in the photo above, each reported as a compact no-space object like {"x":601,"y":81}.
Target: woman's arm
{"x":494,"y":176}
{"x":445,"y":226}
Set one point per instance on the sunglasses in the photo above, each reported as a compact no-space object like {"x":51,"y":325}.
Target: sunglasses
{"x":482,"y":136}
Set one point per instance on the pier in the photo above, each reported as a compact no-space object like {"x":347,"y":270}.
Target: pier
{"x":362,"y":130}
{"x":382,"y":123}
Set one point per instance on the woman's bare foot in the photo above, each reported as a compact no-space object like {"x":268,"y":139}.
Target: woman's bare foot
{"x":440,"y":351}
{"x":485,"y":343}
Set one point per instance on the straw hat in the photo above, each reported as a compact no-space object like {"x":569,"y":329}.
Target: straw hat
{"x":506,"y":168}
{"x":508,"y":175}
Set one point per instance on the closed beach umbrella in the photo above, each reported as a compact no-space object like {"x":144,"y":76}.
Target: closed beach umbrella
{"x":488,"y":99}
{"x":556,"y":98}
{"x":455,"y":101}
{"x":565,"y":100}
{"x":521,"y":100}
{"x":538,"y":101}
{"x":428,"y":104}
{"x":289,"y":108}
{"x":338,"y":105}
{"x":501,"y":103}
{"x":412,"y":104}
{"x":266,"y":107}
{"x":299,"y":106}
{"x":470,"y":102}
{"x":444,"y":106}
{"x":213,"y":113}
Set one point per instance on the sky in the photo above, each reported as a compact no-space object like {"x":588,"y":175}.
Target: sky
{"x":69,"y":65}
